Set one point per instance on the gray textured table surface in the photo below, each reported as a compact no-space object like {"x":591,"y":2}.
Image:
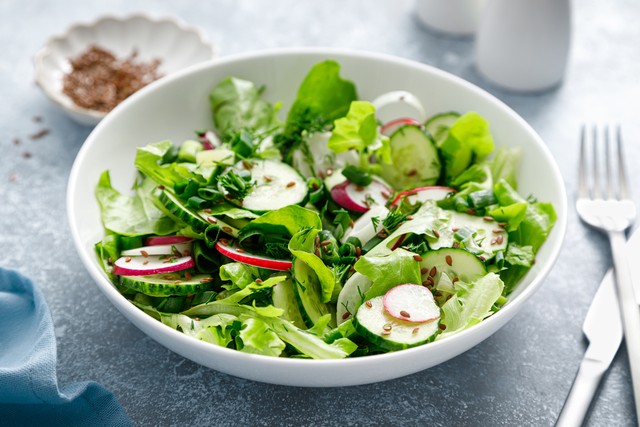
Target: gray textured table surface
{"x":518,"y":377}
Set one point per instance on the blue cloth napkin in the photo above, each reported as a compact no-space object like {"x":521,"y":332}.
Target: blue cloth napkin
{"x":29,"y":392}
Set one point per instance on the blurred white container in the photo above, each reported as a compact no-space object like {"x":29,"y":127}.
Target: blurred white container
{"x":454,"y":17}
{"x":523,"y":45}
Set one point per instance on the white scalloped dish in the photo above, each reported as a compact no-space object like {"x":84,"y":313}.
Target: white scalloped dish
{"x":169,"y":40}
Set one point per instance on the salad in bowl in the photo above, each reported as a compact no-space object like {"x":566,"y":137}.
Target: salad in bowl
{"x":348,"y":228}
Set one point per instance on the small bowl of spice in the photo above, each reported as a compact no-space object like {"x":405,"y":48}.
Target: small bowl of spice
{"x":92,"y":68}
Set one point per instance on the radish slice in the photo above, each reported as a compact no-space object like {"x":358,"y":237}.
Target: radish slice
{"x":177,"y":249}
{"x":152,"y":264}
{"x":231,"y":250}
{"x":411,"y":303}
{"x":422,"y":194}
{"x":166,"y":240}
{"x":396,"y":124}
{"x":360,"y":199}
{"x":397,"y":104}
{"x":363,"y":227}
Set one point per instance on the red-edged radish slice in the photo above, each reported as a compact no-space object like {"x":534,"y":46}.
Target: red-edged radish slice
{"x":363,"y":227}
{"x":411,"y":303}
{"x":166,"y":240}
{"x":398,"y":103}
{"x":152,"y":264}
{"x":422,"y":194}
{"x":396,"y":124}
{"x":177,"y":249}
{"x":360,"y":199}
{"x":231,"y":250}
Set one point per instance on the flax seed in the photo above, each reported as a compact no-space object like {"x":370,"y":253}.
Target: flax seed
{"x":267,"y":178}
{"x":449,"y":260}
{"x":325,"y":242}
{"x":433,"y":271}
{"x":404,"y":314}
{"x":385,"y":194}
{"x":415,"y":330}
{"x":359,"y":188}
{"x":424,"y":270}
{"x":239,"y":250}
{"x":487,"y":218}
{"x":436,"y":233}
{"x":187,"y":275}
{"x":455,"y":279}
{"x":471,"y":211}
{"x":345,"y":315}
{"x":497,"y":230}
{"x":358,"y":251}
{"x":455,"y":229}
{"x":417,"y":258}
{"x":227,"y":230}
{"x":499,"y":239}
{"x":144,"y":253}
{"x":128,"y":259}
{"x":258,"y":280}
{"x":290,"y":184}
{"x":387,"y":327}
{"x":212,"y":220}
{"x":368,"y":304}
{"x":412,"y":172}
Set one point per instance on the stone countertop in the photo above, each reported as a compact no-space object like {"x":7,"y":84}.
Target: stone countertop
{"x":518,"y":377}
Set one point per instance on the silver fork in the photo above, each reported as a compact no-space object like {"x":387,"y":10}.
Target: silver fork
{"x":608,"y":207}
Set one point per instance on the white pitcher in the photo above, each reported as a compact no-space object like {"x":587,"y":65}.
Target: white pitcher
{"x":523,"y":45}
{"x":453,"y":17}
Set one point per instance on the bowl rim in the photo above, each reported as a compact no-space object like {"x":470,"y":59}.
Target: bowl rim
{"x":506,"y":312}
{"x":57,"y":96}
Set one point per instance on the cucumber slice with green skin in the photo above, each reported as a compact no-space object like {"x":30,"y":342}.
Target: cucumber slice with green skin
{"x":489,"y":237}
{"x":308,"y":296}
{"x":276,"y":185}
{"x":152,"y":264}
{"x":411,"y":303}
{"x":231,"y":250}
{"x":360,"y":199}
{"x":351,"y":296}
{"x":167,"y":284}
{"x":376,"y":325}
{"x":438,"y":126}
{"x":422,"y":194}
{"x":284,"y":298}
{"x":457,"y":264}
{"x":416,"y":161}
{"x":177,"y":249}
{"x":182,"y":212}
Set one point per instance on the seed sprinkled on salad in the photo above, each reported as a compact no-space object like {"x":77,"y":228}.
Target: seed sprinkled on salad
{"x":417,"y":258}
{"x":404,"y":314}
{"x":449,"y":260}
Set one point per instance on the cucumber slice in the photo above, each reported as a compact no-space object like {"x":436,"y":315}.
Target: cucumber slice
{"x":285,"y":299}
{"x":415,"y":159}
{"x":489,"y":237}
{"x":383,"y":330}
{"x":276,"y":185}
{"x":167,"y":284}
{"x":457,"y":264}
{"x":308,"y":295}
{"x":180,"y":211}
{"x":217,"y":156}
{"x":438,"y":126}
{"x":351,"y":296}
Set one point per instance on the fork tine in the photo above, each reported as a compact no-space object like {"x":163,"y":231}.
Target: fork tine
{"x":622,"y":173}
{"x":595,"y":189}
{"x":582,"y":166}
{"x":607,"y":165}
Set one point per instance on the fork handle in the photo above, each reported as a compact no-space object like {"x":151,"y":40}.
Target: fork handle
{"x":629,"y":310}
{"x":582,"y":391}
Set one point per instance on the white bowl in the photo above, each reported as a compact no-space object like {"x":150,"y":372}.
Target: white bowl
{"x":168,"y":39}
{"x":173,"y":107}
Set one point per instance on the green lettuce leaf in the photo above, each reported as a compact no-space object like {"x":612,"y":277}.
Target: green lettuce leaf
{"x":302,"y":247}
{"x":237,"y":105}
{"x":469,"y":140}
{"x":470,"y":305}
{"x":388,"y":270}
{"x":131,"y":215}
{"x":240,"y":274}
{"x":258,"y":338}
{"x":359,"y":131}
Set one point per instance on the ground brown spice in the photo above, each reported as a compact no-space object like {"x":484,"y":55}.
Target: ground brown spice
{"x":100,"y":81}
